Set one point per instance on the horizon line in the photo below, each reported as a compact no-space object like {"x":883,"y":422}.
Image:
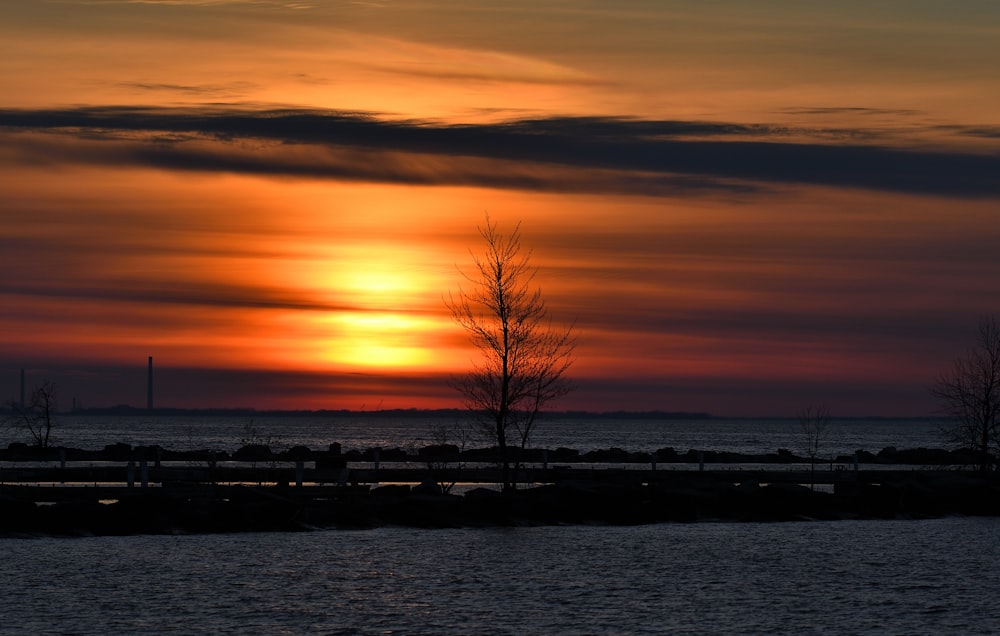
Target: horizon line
{"x":125,"y":409}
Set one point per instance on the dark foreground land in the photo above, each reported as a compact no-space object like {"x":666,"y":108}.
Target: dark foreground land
{"x":121,"y":490}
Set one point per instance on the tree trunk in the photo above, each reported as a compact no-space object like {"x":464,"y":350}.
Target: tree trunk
{"x":505,"y":478}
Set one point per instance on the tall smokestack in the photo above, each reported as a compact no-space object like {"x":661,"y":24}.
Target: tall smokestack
{"x":149,"y":385}
{"x":21,"y":403}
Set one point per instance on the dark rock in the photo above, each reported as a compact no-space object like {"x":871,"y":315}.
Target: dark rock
{"x":481,"y":455}
{"x":253,"y":452}
{"x":330,"y":461}
{"x":564,"y":455}
{"x":667,"y":454}
{"x":482,"y":493}
{"x":17,"y":515}
{"x":299,"y":452}
{"x":118,"y":452}
{"x":527,"y":454}
{"x":385,"y":455}
{"x":607,"y":455}
{"x":439,"y":452}
{"x":427,"y":488}
{"x":393,"y":490}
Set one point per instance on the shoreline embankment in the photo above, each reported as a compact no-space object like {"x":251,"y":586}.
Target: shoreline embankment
{"x":149,"y":490}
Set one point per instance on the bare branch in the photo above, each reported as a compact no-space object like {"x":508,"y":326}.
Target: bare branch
{"x":37,"y":417}
{"x":970,"y":393}
{"x":524,"y":358}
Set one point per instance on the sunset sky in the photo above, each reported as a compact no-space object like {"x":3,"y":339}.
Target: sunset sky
{"x":744,"y":207}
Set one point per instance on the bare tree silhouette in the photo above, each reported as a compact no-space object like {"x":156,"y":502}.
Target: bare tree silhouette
{"x":524,"y":356}
{"x":970,"y":392}
{"x":814,"y":420}
{"x":37,"y":416}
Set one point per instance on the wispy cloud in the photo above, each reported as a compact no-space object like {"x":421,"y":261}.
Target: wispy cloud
{"x":208,"y":3}
{"x":850,"y":110}
{"x":555,"y":154}
{"x":204,"y":91}
{"x":986,"y":132}
{"x":188,"y":293}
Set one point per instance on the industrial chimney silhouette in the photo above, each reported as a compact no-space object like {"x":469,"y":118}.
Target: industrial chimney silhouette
{"x":149,"y":385}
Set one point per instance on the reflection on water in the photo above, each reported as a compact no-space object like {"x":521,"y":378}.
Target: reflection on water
{"x":898,"y":577}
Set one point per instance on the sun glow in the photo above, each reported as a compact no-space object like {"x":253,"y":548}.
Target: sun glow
{"x":378,"y":339}
{"x":378,"y":276}
{"x":380,"y":285}
{"x":389,"y":315}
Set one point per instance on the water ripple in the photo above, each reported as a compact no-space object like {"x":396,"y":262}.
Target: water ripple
{"x":909,"y":577}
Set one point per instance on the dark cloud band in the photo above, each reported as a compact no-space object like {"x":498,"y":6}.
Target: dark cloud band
{"x":615,"y":155}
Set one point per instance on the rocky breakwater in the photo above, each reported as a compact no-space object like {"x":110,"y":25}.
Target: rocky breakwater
{"x":573,"y":492}
{"x":693,"y":497}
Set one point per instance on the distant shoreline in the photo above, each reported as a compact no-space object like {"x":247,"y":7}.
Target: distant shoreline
{"x":126,"y":410}
{"x":407,"y":412}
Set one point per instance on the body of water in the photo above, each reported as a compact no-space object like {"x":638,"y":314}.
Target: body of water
{"x":362,"y":431}
{"x":849,"y":577}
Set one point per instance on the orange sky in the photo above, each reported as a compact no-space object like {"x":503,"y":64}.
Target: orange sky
{"x":743,"y":209}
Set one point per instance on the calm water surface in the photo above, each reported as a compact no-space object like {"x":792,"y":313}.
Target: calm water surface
{"x":842,"y":437}
{"x":859,"y":577}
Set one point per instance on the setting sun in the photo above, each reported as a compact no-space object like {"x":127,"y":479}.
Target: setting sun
{"x":379,"y":316}
{"x":378,"y":340}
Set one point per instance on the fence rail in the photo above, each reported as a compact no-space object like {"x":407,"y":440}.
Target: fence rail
{"x":115,"y":480}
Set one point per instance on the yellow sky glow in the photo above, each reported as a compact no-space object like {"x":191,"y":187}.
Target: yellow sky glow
{"x":740,"y":207}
